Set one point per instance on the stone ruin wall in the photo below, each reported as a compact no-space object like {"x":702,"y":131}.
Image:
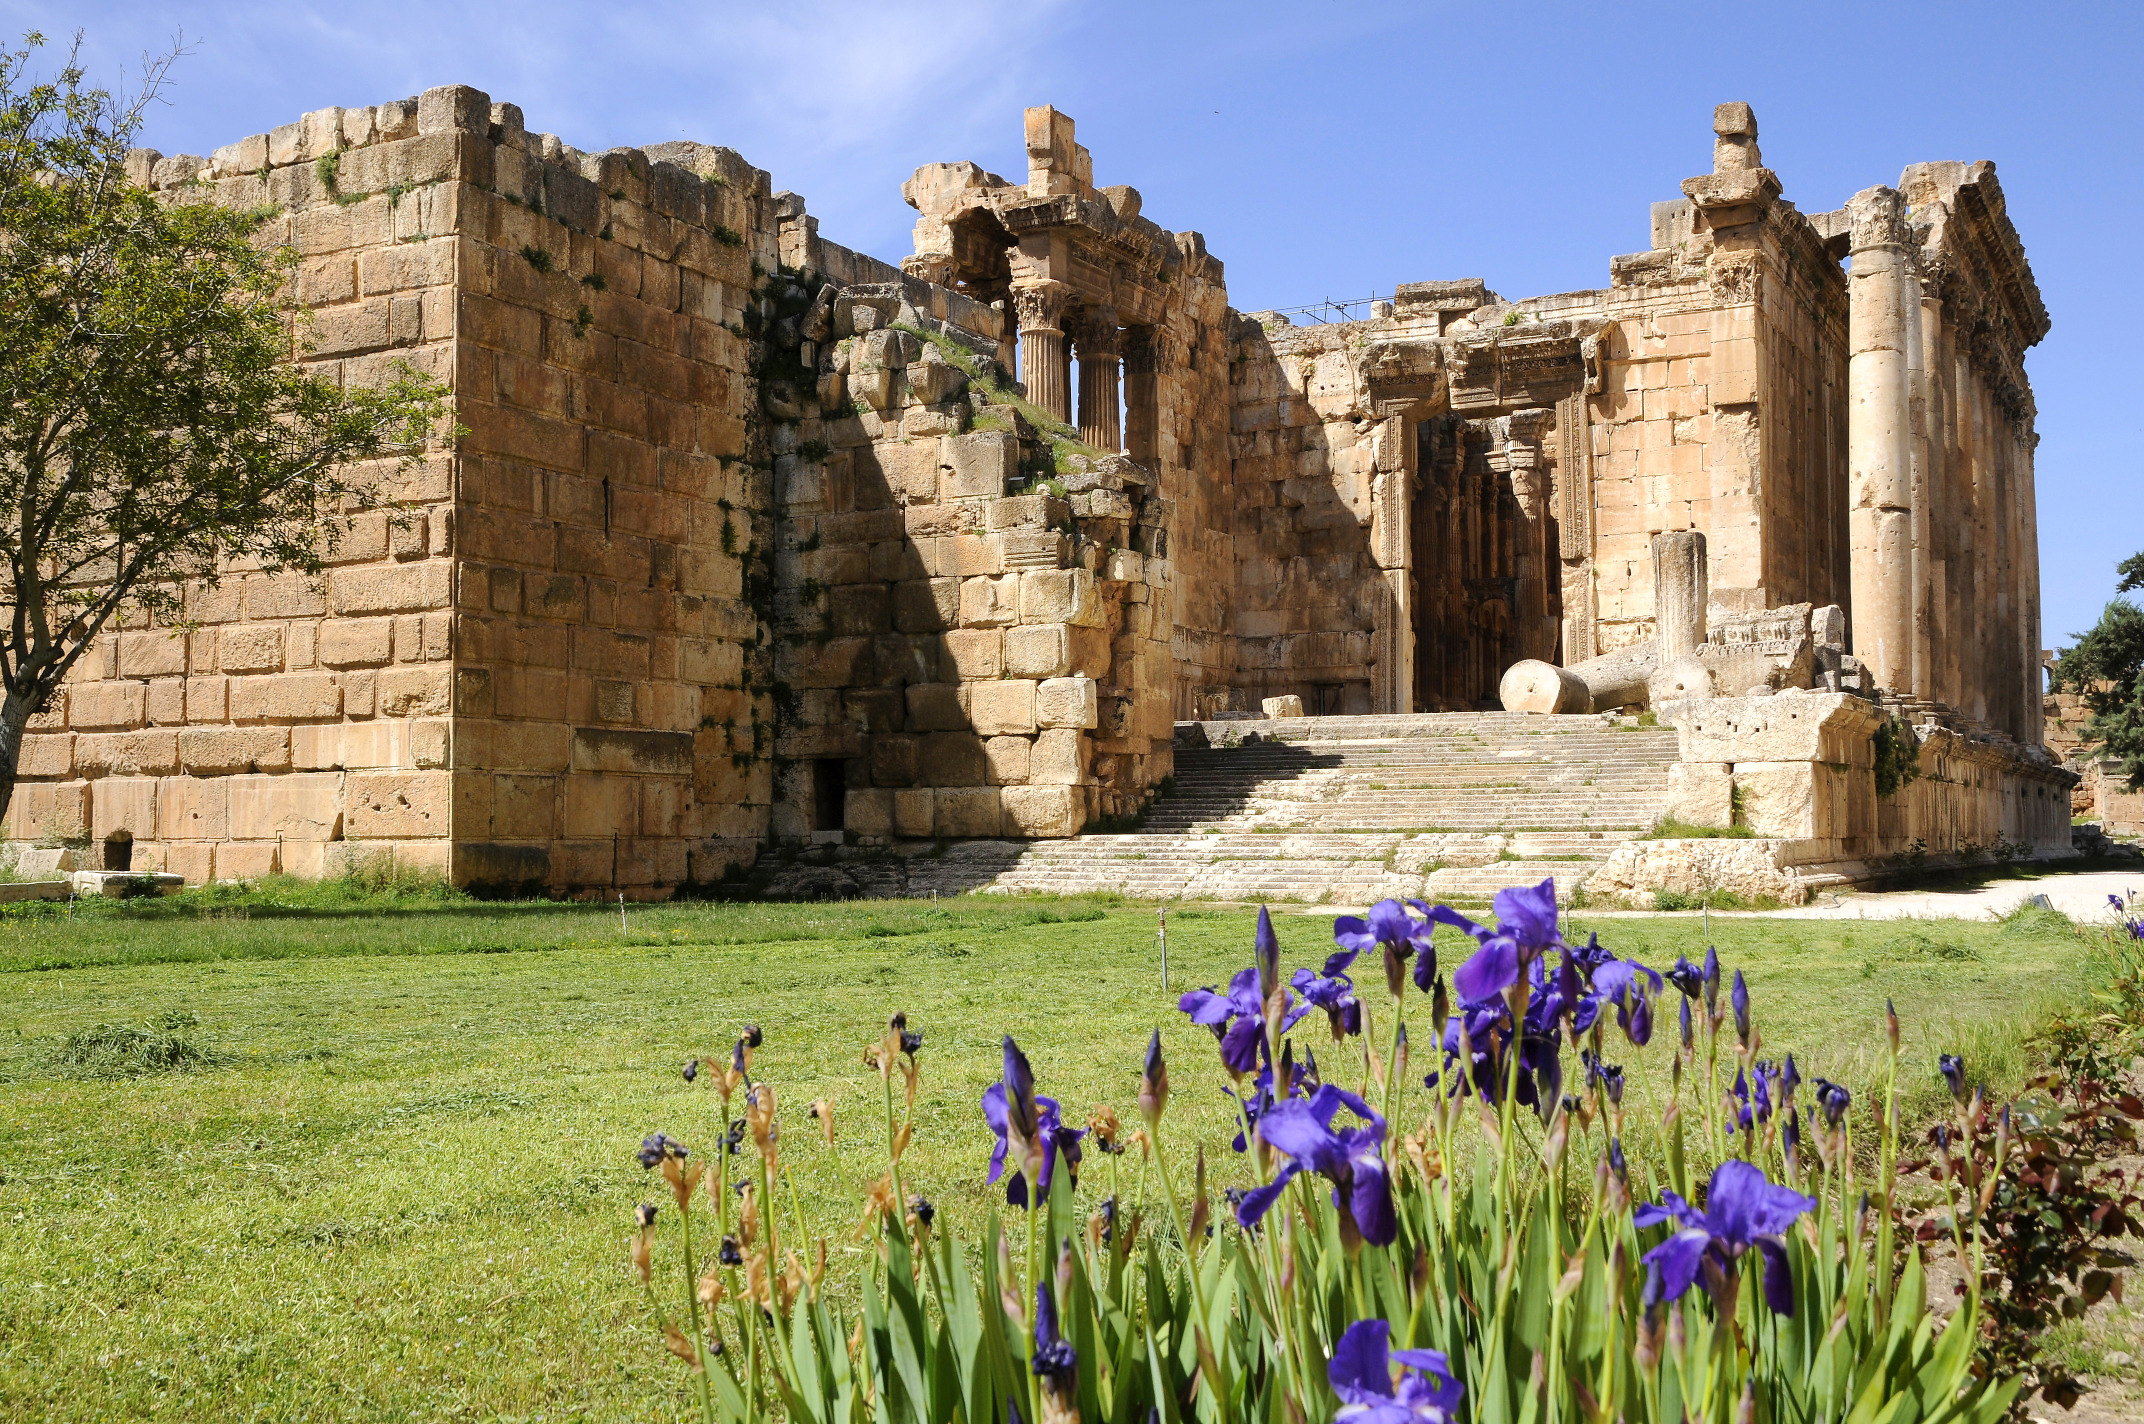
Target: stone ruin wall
{"x":727,"y":537}
{"x":526,"y":667}
{"x":746,"y":542}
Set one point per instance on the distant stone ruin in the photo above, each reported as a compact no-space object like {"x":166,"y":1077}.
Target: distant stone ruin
{"x":756,"y":542}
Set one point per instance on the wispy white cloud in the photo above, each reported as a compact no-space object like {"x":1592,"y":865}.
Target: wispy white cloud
{"x":839,"y":101}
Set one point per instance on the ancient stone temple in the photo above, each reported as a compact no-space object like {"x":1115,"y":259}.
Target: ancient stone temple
{"x":754,"y":541}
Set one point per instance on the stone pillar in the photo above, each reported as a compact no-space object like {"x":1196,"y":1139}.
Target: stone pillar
{"x":1095,"y":342}
{"x":1879,"y":437}
{"x":1679,"y":592}
{"x":1041,"y":309}
{"x":1926,"y":325}
{"x":1142,"y":347}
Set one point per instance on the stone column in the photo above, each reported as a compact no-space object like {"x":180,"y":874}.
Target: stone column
{"x":1680,"y":590}
{"x":1041,"y":308}
{"x":1095,"y":341}
{"x":1142,"y":406}
{"x":1879,"y":437}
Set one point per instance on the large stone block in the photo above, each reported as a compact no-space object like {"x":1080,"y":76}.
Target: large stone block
{"x":257,"y":647}
{"x":303,"y":806}
{"x":354,"y":642}
{"x":1789,"y":726}
{"x":1006,"y":705}
{"x":1038,"y":650}
{"x":1008,"y":758}
{"x":106,"y":704}
{"x":926,"y":605}
{"x":893,"y":760}
{"x":980,"y":463}
{"x":399,"y":805}
{"x":973,"y":654}
{"x":1060,"y":596}
{"x":1060,"y":758}
{"x":157,"y":654}
{"x":124,"y":806}
{"x":868,"y":812}
{"x":990,"y":602}
{"x":416,"y":692}
{"x":46,"y":755}
{"x":967,"y":811}
{"x":951,"y":759}
{"x":221,"y":751}
{"x":602,"y":806}
{"x":935,"y":707}
{"x":645,"y":753}
{"x":915,"y":812}
{"x":1044,"y":811}
{"x":193,"y":808}
{"x":286,"y":697}
{"x":153,"y":753}
{"x":44,"y":810}
{"x":1067,"y":702}
{"x":524,"y":807}
{"x":1701,"y":794}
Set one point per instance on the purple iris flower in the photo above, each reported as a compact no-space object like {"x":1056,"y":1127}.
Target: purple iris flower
{"x":1834,"y":1100}
{"x":1348,"y":1157}
{"x":1238,"y":1016}
{"x":1687,"y":977}
{"x":1054,"y":1359}
{"x":1952,"y":1067}
{"x":1361,"y":1374}
{"x":1334,"y":992}
{"x":1526,"y":927}
{"x":1742,"y":1209}
{"x":1014,"y":1109}
{"x":1623,"y":982}
{"x":1739,"y":998}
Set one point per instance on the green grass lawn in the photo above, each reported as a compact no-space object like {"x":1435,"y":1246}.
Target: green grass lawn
{"x":401,"y":1189}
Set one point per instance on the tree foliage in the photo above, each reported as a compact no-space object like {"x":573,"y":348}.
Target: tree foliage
{"x":2106,"y":666}
{"x":155,"y":425}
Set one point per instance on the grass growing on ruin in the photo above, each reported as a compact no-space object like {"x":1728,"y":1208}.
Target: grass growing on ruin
{"x":389,"y":1174}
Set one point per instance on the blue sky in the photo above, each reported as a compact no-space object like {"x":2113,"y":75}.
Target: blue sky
{"x":1325,"y":150}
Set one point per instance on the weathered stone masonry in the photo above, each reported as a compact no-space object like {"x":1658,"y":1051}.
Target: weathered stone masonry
{"x":749,"y":541}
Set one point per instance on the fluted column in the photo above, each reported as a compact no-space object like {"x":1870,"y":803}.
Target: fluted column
{"x":1040,"y":308}
{"x":1681,"y":588}
{"x":1881,"y":316}
{"x":1095,"y":341}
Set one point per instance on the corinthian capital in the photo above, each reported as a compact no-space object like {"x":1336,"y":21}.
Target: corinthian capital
{"x":1094,"y":331}
{"x":1040,"y":306}
{"x":1878,"y":219}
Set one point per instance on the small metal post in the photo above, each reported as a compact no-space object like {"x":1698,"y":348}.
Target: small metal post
{"x":1162,"y":914}
{"x":621,"y":912}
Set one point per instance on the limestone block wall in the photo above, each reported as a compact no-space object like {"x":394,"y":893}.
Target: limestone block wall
{"x":292,"y":718}
{"x":1306,"y":591}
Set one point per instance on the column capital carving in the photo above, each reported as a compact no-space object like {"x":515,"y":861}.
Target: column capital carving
{"x":1877,"y":217}
{"x":1040,"y":306}
{"x":1094,"y":331}
{"x":1150,"y":350}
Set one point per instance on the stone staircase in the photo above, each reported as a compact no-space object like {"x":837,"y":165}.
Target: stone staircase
{"x":1348,"y":810}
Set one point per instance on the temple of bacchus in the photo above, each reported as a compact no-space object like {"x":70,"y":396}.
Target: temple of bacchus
{"x":754,"y":543}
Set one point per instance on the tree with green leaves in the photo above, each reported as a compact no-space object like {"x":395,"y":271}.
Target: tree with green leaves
{"x":156,"y":423}
{"x":2106,"y":666}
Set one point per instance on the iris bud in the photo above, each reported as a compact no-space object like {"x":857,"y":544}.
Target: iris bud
{"x":1739,"y":997}
{"x":1952,"y":1067}
{"x":1153,"y":1082}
